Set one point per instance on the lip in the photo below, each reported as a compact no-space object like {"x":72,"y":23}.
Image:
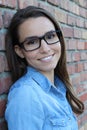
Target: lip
{"x":47,"y":58}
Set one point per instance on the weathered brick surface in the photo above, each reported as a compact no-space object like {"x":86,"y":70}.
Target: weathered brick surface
{"x":7,"y":15}
{"x":5,"y":83}
{"x":68,"y":31}
{"x":2,"y":41}
{"x":2,"y":107}
{"x":72,"y":16}
{"x":24,"y":3}
{"x":1,"y":21}
{"x":9,"y":3}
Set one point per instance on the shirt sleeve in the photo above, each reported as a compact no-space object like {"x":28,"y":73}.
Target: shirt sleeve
{"x":24,"y":111}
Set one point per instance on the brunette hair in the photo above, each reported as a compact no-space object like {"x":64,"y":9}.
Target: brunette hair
{"x":18,"y":65}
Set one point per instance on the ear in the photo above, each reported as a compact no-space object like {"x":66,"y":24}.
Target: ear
{"x":19,"y":51}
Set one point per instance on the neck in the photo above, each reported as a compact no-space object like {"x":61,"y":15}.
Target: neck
{"x":49,"y":75}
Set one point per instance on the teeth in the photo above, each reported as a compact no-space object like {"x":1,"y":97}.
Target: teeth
{"x":47,"y":58}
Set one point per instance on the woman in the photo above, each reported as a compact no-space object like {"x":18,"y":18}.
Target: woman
{"x":41,"y":97}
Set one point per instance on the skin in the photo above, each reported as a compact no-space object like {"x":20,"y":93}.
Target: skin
{"x":46,"y":57}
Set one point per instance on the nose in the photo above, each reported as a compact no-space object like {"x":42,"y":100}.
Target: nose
{"x":44,"y":47}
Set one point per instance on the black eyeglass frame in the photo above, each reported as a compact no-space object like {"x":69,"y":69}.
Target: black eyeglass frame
{"x":41,"y":38}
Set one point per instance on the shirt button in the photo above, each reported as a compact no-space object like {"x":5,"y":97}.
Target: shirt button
{"x":69,"y":119}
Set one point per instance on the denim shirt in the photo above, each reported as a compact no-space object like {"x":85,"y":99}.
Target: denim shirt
{"x":34,"y":103}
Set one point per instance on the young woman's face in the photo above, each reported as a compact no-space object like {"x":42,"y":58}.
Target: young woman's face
{"x":47,"y":56}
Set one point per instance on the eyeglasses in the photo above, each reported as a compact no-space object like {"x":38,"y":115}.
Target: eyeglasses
{"x":34,"y":42}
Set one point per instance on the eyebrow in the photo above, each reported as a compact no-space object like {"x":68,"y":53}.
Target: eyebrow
{"x":31,"y":37}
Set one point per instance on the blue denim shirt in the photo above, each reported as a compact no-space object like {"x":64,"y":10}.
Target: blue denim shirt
{"x":34,"y":103}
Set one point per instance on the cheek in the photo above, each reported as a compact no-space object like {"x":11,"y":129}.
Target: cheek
{"x":30,"y":55}
{"x":58,"y":50}
{"x":58,"y":47}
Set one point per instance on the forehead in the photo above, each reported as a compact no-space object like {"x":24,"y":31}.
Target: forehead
{"x":35,"y":26}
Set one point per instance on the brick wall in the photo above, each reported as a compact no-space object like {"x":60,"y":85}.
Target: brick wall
{"x":72,"y":16}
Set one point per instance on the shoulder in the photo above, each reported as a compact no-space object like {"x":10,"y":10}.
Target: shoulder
{"x":23,"y":88}
{"x":23,"y":96}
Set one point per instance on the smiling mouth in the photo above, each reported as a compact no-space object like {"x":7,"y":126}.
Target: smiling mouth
{"x":48,"y":58}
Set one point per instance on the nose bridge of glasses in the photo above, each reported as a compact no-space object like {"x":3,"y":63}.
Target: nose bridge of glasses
{"x":42,"y":38}
{"x":43,"y":45}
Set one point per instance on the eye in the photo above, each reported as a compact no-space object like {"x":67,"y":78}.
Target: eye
{"x":31,"y":42}
{"x":51,"y":35}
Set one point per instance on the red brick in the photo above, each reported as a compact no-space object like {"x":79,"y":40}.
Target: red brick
{"x":82,"y":119}
{"x":76,"y":56}
{"x":66,"y":43}
{"x":1,"y":21}
{"x":83,"y":56}
{"x":1,"y":2}
{"x":9,"y":3}
{"x":68,"y":31}
{"x":79,"y":67}
{"x":75,"y":79}
{"x":5,"y":83}
{"x":46,"y":7}
{"x":77,"y":33}
{"x":72,"y":44}
{"x":85,"y":24}
{"x":64,"y":4}
{"x":85,"y":45}
{"x":84,"y":34}
{"x":61,"y":16}
{"x":80,"y":22}
{"x":2,"y":107}
{"x":69,"y":56}
{"x":74,"y":8}
{"x":2,"y":41}
{"x":2,"y":63}
{"x":7,"y":15}
{"x":6,"y":65}
{"x":82,"y":3}
{"x":12,"y":3}
{"x":81,"y":88}
{"x":83,"y":76}
{"x":23,"y":3}
{"x":80,"y":45}
{"x":85,"y":66}
{"x":83,"y":97}
{"x":71,"y":68}
{"x":83,"y":12}
{"x":71,"y":20}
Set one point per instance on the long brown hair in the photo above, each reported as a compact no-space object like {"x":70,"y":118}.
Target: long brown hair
{"x":18,"y":65}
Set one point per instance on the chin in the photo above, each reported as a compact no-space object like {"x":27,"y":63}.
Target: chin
{"x":48,"y":69}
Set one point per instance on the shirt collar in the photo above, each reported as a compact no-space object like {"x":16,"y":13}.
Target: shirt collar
{"x":43,"y":82}
{"x":38,"y":77}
